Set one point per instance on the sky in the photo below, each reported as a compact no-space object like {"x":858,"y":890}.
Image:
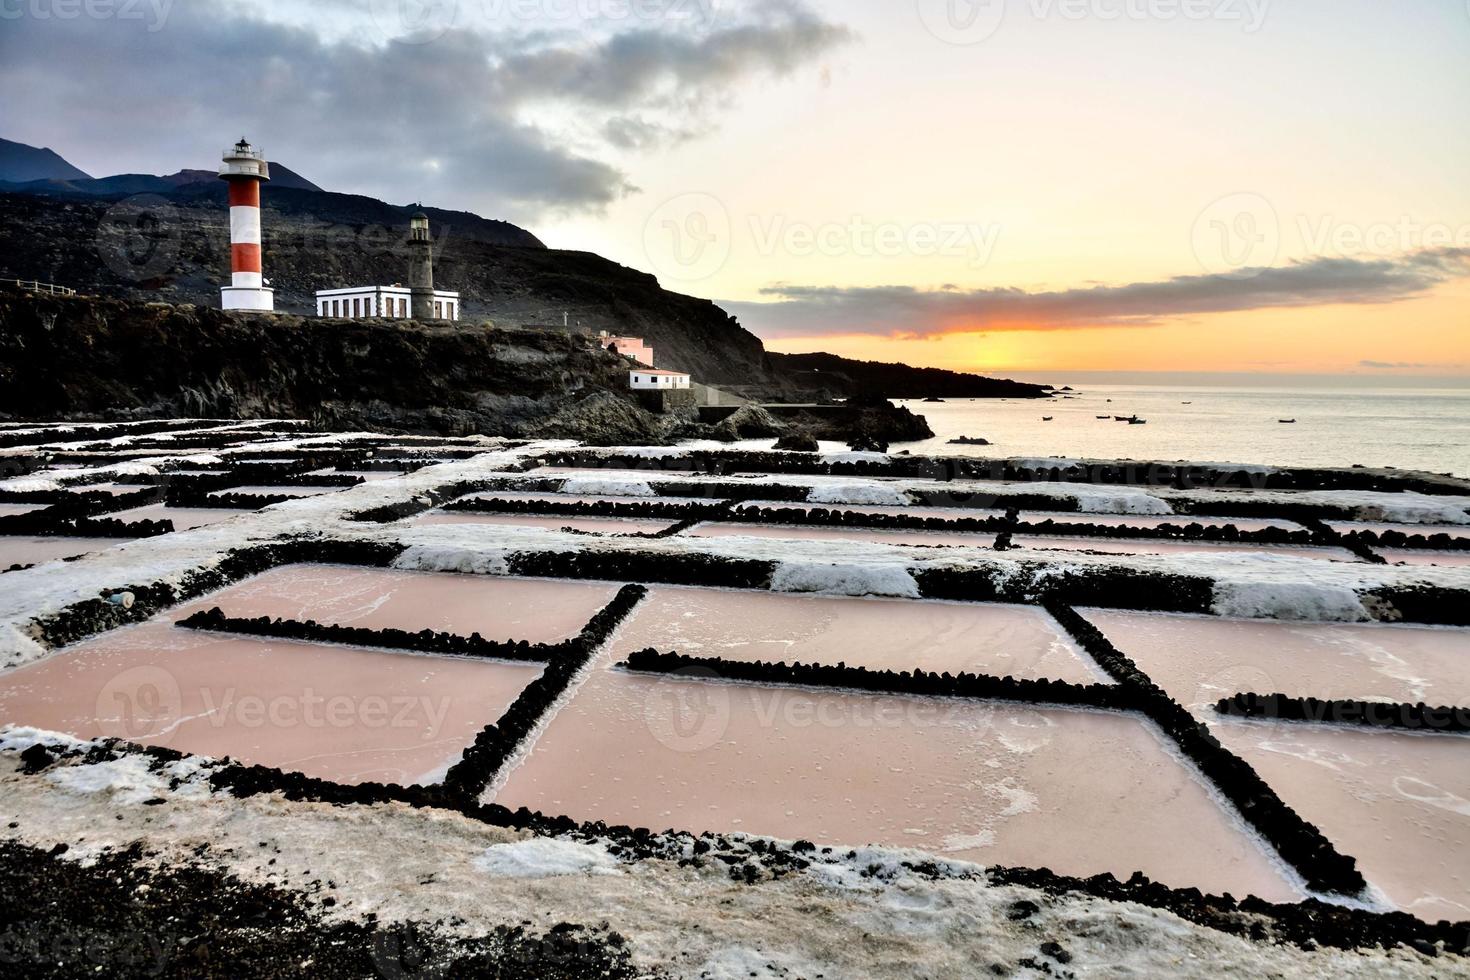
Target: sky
{"x":1022,"y":186}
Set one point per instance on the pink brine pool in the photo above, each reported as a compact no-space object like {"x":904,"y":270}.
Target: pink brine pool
{"x":880,"y":634}
{"x":1200,"y":659}
{"x":539,"y":610}
{"x":1398,"y":802}
{"x":25,"y":550}
{"x":338,"y":713}
{"x":976,"y":781}
{"x":1412,"y":556}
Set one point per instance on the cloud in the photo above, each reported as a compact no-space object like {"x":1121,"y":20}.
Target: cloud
{"x":904,"y":310}
{"x":1402,"y":365}
{"x":516,"y":123}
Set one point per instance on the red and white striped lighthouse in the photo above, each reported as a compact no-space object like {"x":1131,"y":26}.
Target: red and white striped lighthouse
{"x":245,"y":169}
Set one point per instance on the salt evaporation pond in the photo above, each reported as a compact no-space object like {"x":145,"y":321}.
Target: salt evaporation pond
{"x":1398,"y":802}
{"x":880,"y":634}
{"x":1407,"y":556}
{"x":184,"y":518}
{"x":536,"y":610}
{"x":1200,"y":659}
{"x":341,"y":713}
{"x":1146,"y":546}
{"x":866,"y":535}
{"x":590,"y":525}
{"x":969,"y":780}
{"x":17,"y":549}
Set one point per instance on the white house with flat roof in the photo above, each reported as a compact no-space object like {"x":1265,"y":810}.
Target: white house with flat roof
{"x":651,"y":379}
{"x":393,"y":302}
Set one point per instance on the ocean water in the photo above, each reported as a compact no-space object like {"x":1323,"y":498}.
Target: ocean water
{"x":1419,"y":429}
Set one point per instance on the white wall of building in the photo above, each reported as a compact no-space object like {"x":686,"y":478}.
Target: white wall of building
{"x":391,"y":302}
{"x":657,"y":380}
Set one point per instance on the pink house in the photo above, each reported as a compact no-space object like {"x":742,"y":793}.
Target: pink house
{"x":633,"y":347}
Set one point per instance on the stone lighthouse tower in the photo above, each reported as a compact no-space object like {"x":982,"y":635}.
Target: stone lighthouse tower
{"x":245,"y":169}
{"x":421,"y":269}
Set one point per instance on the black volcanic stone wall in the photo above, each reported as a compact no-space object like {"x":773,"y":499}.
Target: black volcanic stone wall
{"x":48,"y":523}
{"x":917,"y":682}
{"x":592,"y":508}
{"x":832,"y":515}
{"x":496,"y":743}
{"x":1424,"y":604}
{"x":619,"y":566}
{"x":421,"y":641}
{"x":1109,"y":587}
{"x":1439,"y":541}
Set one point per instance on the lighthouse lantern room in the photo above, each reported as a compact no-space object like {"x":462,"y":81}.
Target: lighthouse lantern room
{"x":245,"y":169}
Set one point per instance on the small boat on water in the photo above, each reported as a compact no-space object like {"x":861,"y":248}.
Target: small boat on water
{"x":1137,"y":421}
{"x":1104,"y":416}
{"x":1047,"y":418}
{"x":1287,"y":421}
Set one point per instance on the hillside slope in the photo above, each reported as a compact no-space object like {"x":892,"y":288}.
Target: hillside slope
{"x":20,"y":162}
{"x":844,"y":376}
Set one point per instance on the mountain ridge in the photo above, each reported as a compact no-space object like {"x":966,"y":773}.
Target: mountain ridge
{"x":20,"y":162}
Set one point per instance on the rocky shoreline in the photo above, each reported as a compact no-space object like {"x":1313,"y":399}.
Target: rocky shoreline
{"x":80,"y":357}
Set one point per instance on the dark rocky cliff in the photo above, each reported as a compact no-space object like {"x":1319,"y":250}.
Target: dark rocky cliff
{"x":76,"y":357}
